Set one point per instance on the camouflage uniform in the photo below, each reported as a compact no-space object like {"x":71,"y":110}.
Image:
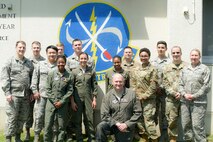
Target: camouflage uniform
{"x":144,"y":81}
{"x":38,"y":85}
{"x":126,"y":109}
{"x":73,"y":62}
{"x":109,"y":75}
{"x":195,"y":81}
{"x":161,"y":94}
{"x":130,"y":67}
{"x":16,"y":77}
{"x":171,"y":77}
{"x":85,"y":88}
{"x":59,"y":87}
{"x":29,"y":122}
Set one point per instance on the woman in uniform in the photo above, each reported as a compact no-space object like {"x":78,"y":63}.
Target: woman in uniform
{"x":59,"y":89}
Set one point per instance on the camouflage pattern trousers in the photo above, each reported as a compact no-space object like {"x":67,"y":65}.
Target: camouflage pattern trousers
{"x":17,"y":113}
{"x":193,"y":121}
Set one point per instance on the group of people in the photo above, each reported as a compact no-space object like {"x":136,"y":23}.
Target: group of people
{"x":142,"y":99}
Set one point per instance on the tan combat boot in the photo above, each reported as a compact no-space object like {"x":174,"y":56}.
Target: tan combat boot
{"x":144,"y":138}
{"x":173,"y":139}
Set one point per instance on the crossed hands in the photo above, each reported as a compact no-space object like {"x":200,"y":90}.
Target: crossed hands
{"x":121,"y":126}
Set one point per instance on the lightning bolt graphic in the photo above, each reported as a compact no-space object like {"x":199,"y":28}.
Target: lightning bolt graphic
{"x":93,"y":29}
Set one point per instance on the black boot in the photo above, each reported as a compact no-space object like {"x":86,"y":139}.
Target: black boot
{"x":27,"y":137}
{"x":8,"y":139}
{"x":18,"y":138}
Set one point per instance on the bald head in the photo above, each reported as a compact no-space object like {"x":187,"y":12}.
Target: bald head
{"x":118,"y":82}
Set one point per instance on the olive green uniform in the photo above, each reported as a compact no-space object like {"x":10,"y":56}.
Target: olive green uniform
{"x":109,"y":75}
{"x":59,"y":87}
{"x":114,"y":109}
{"x":85,"y":88}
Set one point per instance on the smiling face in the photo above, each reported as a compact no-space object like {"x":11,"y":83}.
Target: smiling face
{"x":77,"y":47}
{"x":83,"y":58}
{"x":118,"y":82}
{"x":61,"y":62}
{"x":20,"y":49}
{"x":128,"y":54}
{"x":144,"y":57}
{"x":117,"y":63}
{"x":36,"y":49}
{"x":51,"y":55}
{"x":60,"y":50}
{"x":176,"y":54}
{"x":195,"y":57}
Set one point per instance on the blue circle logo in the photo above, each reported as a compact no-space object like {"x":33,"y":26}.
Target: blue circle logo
{"x":102,"y":29}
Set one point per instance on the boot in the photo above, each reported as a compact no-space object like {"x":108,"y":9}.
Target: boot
{"x":27,"y":137}
{"x":55,"y":136}
{"x":8,"y":139}
{"x":173,"y":139}
{"x":18,"y":138}
{"x":36,"y":137}
{"x":144,"y":138}
{"x":154,"y":140}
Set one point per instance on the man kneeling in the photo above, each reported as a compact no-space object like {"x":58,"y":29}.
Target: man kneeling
{"x":120,"y":111}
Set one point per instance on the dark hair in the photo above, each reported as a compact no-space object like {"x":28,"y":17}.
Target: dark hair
{"x":85,"y":54}
{"x":62,"y":56}
{"x":76,"y":40}
{"x":128,"y":47}
{"x":145,"y":50}
{"x":116,"y":56}
{"x":52,"y":47}
{"x":162,"y":42}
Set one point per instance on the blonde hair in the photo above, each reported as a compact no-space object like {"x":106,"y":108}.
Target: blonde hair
{"x":197,"y":50}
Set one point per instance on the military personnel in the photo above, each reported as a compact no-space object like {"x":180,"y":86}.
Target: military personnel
{"x":38,"y":87}
{"x":60,"y":47}
{"x":116,"y":69}
{"x":160,"y":63}
{"x":73,"y":63}
{"x":144,"y":83}
{"x":171,"y":77}
{"x":73,"y":60}
{"x":84,"y":98}
{"x":36,"y":49}
{"x":128,"y":64}
{"x":194,"y":85}
{"x":120,"y":110}
{"x":16,"y":76}
{"x":35,"y":58}
{"x":59,"y":88}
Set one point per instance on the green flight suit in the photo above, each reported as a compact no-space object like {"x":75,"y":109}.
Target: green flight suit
{"x":85,"y":88}
{"x":59,"y":88}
